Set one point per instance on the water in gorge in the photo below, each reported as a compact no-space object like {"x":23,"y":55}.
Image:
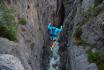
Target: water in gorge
{"x":55,"y":58}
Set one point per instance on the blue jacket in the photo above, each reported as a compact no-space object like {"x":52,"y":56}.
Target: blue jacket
{"x":53,"y":30}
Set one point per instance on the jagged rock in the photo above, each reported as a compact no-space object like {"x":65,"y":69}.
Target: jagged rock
{"x":6,"y":46}
{"x":92,"y":67}
{"x":31,"y":47}
{"x":87,"y":4}
{"x":33,"y":36}
{"x":83,"y":27}
{"x":92,"y":32}
{"x":9,"y":62}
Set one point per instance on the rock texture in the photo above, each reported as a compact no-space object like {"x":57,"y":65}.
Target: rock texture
{"x":79,"y":60}
{"x":82,"y":31}
{"x":9,"y":62}
{"x":32,"y":36}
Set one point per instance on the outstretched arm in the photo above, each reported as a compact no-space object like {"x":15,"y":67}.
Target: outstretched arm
{"x":49,"y":26}
{"x":61,"y":28}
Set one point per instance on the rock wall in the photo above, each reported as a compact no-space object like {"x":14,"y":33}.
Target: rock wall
{"x":82,"y":32}
{"x":32,"y":36}
{"x":9,"y":62}
{"x":83,"y":29}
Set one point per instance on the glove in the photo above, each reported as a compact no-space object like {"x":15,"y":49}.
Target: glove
{"x":61,"y":27}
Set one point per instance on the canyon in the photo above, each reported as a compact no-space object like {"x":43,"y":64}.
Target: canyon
{"x":81,"y":43}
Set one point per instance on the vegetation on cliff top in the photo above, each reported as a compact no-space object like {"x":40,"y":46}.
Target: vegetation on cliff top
{"x":98,"y":58}
{"x":97,"y":2}
{"x":8,"y":25}
{"x":22,"y":21}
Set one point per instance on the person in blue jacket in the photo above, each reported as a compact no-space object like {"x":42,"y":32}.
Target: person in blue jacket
{"x":54,"y":31}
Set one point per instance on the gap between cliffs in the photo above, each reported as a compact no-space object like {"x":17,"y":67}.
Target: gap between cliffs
{"x":55,"y":59}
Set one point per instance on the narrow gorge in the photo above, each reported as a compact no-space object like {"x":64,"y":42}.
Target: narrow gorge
{"x":25,"y":41}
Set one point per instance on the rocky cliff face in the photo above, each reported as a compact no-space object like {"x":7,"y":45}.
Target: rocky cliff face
{"x":83,"y":33}
{"x":82,"y":36}
{"x":32,"y":36}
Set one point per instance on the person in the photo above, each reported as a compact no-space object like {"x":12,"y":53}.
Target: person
{"x":57,"y":32}
{"x":54,"y":31}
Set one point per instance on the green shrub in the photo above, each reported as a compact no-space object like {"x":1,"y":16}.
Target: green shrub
{"x":97,"y":2}
{"x":96,"y":11}
{"x":8,"y":31}
{"x":22,"y":21}
{"x":8,"y":26}
{"x":92,"y":57}
{"x":97,"y":58}
{"x":1,"y":1}
{"x":101,"y":66}
{"x":77,"y":36}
